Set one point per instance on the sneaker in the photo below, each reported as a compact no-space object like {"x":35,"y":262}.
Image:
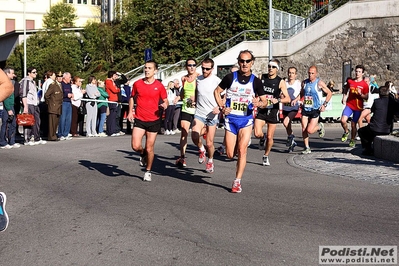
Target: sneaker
{"x":345,"y":136}
{"x":177,"y":130}
{"x":290,"y":140}
{"x":62,"y":138}
{"x":181,"y":162}
{"x":68,"y":138}
{"x":352,"y":143}
{"x":16,"y":145}
{"x":3,"y":214}
{"x":143,"y":159}
{"x":291,"y":148}
{"x":69,"y":135}
{"x":209,"y":167}
{"x":115,"y":135}
{"x":172,"y":132}
{"x":357,"y":138}
{"x":102,"y":134}
{"x":306,"y":151}
{"x":121,"y":133}
{"x":201,"y":157}
{"x":147,"y":177}
{"x":322,"y":131}
{"x":236,"y":188}
{"x":30,"y":143}
{"x":41,"y":142}
{"x":167,"y":132}
{"x":265,"y":160}
{"x":262,"y":142}
{"x":7,"y":147}
{"x":221,"y":150}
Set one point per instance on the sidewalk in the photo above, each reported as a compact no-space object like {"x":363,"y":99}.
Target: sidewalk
{"x":348,"y":163}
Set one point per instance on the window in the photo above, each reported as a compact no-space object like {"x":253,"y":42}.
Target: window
{"x":10,"y":25}
{"x":30,"y":24}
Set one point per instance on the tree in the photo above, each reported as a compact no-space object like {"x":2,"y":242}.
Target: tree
{"x":60,"y":16}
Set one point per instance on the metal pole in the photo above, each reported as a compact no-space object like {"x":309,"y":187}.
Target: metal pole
{"x":24,"y":21}
{"x":271,"y":26}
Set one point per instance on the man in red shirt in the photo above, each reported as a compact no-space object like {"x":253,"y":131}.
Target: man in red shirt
{"x":147,"y":93}
{"x":356,"y":90}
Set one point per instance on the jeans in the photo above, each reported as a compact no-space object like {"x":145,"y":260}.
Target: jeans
{"x":101,"y":120}
{"x":65,"y":120}
{"x":8,"y":129}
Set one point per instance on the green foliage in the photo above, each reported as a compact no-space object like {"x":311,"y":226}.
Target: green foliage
{"x":174,"y":29}
{"x":60,"y":16}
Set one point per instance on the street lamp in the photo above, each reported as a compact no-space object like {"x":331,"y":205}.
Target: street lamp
{"x":24,"y":22}
{"x":271,"y":26}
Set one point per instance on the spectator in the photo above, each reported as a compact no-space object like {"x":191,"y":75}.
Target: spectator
{"x":120,"y":82}
{"x":91,"y":107}
{"x":125,"y":92}
{"x":112,"y":90}
{"x":49,"y":78}
{"x":168,"y":122}
{"x":178,"y":105}
{"x":78,"y":116}
{"x":30,"y":102}
{"x":66,"y":115}
{"x":102,"y":109}
{"x":383,"y":110}
{"x":8,"y":125}
{"x":54,"y":99}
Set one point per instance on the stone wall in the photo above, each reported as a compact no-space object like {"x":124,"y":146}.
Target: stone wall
{"x":371,"y":42}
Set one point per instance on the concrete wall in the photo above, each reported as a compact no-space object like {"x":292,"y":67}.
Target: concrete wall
{"x":366,"y":32}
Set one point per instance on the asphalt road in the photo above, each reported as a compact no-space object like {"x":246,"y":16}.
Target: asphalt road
{"x":83,"y":202}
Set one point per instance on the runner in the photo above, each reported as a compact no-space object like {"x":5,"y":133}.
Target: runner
{"x":147,"y":93}
{"x":206,"y":113}
{"x":242,"y":88}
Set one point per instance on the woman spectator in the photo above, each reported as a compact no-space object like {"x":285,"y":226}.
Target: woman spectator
{"x":91,"y":107}
{"x":77,"y":117}
{"x":102,"y":109}
{"x":169,"y":112}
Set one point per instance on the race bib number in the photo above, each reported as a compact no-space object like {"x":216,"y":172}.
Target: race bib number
{"x":239,"y":106}
{"x":308,"y":101}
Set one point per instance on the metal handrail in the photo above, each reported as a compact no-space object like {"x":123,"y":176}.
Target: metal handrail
{"x":262,"y":34}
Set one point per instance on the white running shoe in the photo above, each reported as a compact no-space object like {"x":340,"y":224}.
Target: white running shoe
{"x":147,"y":177}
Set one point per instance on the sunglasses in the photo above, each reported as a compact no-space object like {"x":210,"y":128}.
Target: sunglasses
{"x":191,"y":65}
{"x":246,"y":61}
{"x":33,"y":72}
{"x":206,"y":68}
{"x":269,"y":66}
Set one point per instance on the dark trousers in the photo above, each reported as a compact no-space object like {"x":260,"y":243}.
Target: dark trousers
{"x":176,"y":117}
{"x":367,"y":136}
{"x":168,"y":122}
{"x":111,"y":119}
{"x":124,"y":113}
{"x":77,"y":120}
{"x":35,"y":129}
{"x":43,"y":119}
{"x":53,"y":121}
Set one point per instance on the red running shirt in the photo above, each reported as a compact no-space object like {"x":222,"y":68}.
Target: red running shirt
{"x":355,"y":101}
{"x":147,"y":98}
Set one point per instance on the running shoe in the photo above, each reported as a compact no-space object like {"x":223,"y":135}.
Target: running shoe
{"x":221,"y":150}
{"x":147,"y":176}
{"x":291,"y":148}
{"x":209,"y":167}
{"x":3,"y":214}
{"x":236,"y":187}
{"x":345,"y":136}
{"x":143,"y":159}
{"x":181,"y":162}
{"x":201,"y":157}
{"x":262,"y":142}
{"x":322,"y":131}
{"x":306,"y":151}
{"x":352,"y":143}
{"x":265,"y":160}
{"x":16,"y":146}
{"x":290,"y":140}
